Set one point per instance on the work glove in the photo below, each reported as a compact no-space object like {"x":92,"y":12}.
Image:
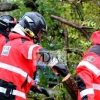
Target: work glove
{"x":37,"y":89}
{"x":60,"y":69}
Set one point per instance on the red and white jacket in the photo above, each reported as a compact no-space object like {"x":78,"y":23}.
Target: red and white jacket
{"x":21,"y":64}
{"x":18,"y":60}
{"x":3,"y":40}
{"x":88,"y":71}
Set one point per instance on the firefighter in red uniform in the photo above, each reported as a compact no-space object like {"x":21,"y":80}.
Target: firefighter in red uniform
{"x":19,"y":56}
{"x":88,"y":71}
{"x":7,"y":22}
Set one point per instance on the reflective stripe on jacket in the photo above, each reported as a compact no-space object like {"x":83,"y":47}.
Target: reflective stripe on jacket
{"x":18,"y":61}
{"x":88,"y":71}
{"x":88,"y":79}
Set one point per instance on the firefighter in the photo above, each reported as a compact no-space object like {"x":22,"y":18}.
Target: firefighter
{"x":88,"y":71}
{"x":7,"y":22}
{"x":19,"y":56}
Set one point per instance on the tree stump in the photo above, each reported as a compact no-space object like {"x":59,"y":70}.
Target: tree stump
{"x":71,"y":86}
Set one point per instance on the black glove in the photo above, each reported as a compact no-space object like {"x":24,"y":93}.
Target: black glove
{"x":38,"y":89}
{"x":61,"y":69}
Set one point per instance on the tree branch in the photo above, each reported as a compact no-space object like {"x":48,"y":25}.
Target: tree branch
{"x":8,"y":7}
{"x":80,"y":28}
{"x":76,"y":51}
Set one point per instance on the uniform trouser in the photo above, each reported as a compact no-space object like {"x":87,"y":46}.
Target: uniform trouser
{"x":9,"y":86}
{"x":2,"y":97}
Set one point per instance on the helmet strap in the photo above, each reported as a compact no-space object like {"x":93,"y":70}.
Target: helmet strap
{"x":35,"y":39}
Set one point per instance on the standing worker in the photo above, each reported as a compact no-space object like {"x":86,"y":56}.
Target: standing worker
{"x":7,"y":22}
{"x":19,"y":56}
{"x":88,"y":71}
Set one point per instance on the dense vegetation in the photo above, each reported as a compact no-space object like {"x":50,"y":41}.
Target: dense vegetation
{"x":66,"y":42}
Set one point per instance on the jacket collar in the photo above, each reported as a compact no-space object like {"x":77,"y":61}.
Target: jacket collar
{"x":13,"y":35}
{"x":18,"y":29}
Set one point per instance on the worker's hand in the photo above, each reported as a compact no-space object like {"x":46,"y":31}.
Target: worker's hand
{"x":42,"y":91}
{"x":60,"y":69}
{"x":38,"y":89}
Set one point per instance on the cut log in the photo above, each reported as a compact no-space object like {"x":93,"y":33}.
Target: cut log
{"x":71,"y":86}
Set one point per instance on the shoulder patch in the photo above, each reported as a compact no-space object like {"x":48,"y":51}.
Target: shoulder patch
{"x":6,"y":50}
{"x":90,"y":58}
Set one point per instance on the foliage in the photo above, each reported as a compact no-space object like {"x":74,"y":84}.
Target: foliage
{"x":78,"y":12}
{"x":18,"y":13}
{"x":60,"y":93}
{"x":85,"y":14}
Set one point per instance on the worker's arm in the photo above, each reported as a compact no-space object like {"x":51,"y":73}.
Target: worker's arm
{"x":52,"y":62}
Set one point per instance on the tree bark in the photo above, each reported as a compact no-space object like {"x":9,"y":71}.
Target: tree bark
{"x":80,"y":28}
{"x":7,"y":7}
{"x":71,"y":86}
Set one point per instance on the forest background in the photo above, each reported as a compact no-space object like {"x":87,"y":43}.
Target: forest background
{"x":66,"y":41}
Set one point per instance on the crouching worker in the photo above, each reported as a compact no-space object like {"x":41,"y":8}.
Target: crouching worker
{"x":19,"y":56}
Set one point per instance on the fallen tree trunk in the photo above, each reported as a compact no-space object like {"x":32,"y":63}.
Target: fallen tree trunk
{"x":71,"y":86}
{"x":8,"y":7}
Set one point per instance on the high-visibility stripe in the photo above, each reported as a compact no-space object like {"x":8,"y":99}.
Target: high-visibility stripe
{"x":96,"y":86}
{"x":14,"y":92}
{"x":90,"y":90}
{"x":31,"y":50}
{"x":16,"y":70}
{"x":91,"y":67}
{"x":86,"y":92}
